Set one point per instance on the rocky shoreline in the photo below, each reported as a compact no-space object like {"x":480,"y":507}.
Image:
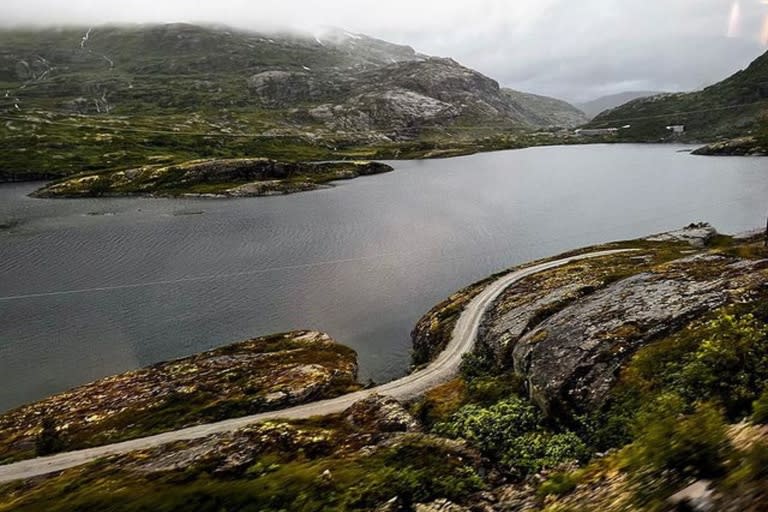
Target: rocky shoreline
{"x":742,"y":146}
{"x":232,"y":178}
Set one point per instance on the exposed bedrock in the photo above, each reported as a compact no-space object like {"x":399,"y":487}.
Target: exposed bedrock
{"x":570,"y":342}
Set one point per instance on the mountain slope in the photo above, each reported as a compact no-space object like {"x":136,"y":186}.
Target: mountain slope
{"x":87,"y":98}
{"x":729,"y":108}
{"x":603,"y":103}
{"x":125,"y":71}
{"x":543,"y":111}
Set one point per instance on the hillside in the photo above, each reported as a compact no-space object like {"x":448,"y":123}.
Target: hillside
{"x":87,"y":98}
{"x":730,"y":108}
{"x":543,"y":111}
{"x":599,"y":105}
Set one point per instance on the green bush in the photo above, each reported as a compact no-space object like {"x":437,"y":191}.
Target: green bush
{"x":730,"y":364}
{"x":751,"y":466}
{"x":669,"y":437}
{"x":512,"y":433}
{"x":49,"y":440}
{"x":724,"y":360}
{"x":760,"y":408}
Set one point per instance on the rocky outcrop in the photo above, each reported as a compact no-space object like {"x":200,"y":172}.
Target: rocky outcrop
{"x":742,"y":146}
{"x":697,"y":235}
{"x":381,"y":414}
{"x":405,"y":97}
{"x":245,"y":378}
{"x":572,"y":358}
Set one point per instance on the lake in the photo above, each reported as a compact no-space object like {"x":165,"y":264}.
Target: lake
{"x":94,"y":287}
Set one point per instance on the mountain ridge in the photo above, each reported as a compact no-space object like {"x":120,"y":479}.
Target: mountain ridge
{"x":730,"y":108}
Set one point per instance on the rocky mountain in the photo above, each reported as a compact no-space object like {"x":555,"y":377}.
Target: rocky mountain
{"x":598,"y":105}
{"x":729,"y":108}
{"x":338,"y":80}
{"x":96,"y":98}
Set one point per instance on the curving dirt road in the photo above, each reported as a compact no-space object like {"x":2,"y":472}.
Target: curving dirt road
{"x":441,"y":369}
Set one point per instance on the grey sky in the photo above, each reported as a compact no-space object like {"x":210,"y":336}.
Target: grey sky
{"x":573,"y":50}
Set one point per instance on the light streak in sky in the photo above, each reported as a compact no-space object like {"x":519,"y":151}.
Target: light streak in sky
{"x":764,"y":32}
{"x":734,"y":20}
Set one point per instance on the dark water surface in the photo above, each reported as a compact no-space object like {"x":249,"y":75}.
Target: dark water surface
{"x":362,"y":261}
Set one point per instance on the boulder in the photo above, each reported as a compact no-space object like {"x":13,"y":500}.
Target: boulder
{"x":697,"y":235}
{"x":382,"y":414}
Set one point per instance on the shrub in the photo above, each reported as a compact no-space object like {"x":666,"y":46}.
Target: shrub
{"x":760,"y":408}
{"x":512,"y":433}
{"x":752,"y":466}
{"x":100,"y":186}
{"x":49,"y":441}
{"x":669,"y":439}
{"x":730,"y":364}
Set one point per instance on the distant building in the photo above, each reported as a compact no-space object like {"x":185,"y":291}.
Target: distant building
{"x":676,"y":128}
{"x":591,"y":132}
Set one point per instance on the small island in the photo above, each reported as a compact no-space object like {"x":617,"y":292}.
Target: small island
{"x":241,"y":177}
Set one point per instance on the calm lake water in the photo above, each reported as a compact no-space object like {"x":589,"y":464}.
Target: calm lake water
{"x":93,"y":287}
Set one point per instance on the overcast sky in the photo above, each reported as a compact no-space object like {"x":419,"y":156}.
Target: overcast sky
{"x":573,"y":50}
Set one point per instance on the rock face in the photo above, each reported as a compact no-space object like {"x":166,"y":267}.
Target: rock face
{"x":571,"y":359}
{"x":405,"y":97}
